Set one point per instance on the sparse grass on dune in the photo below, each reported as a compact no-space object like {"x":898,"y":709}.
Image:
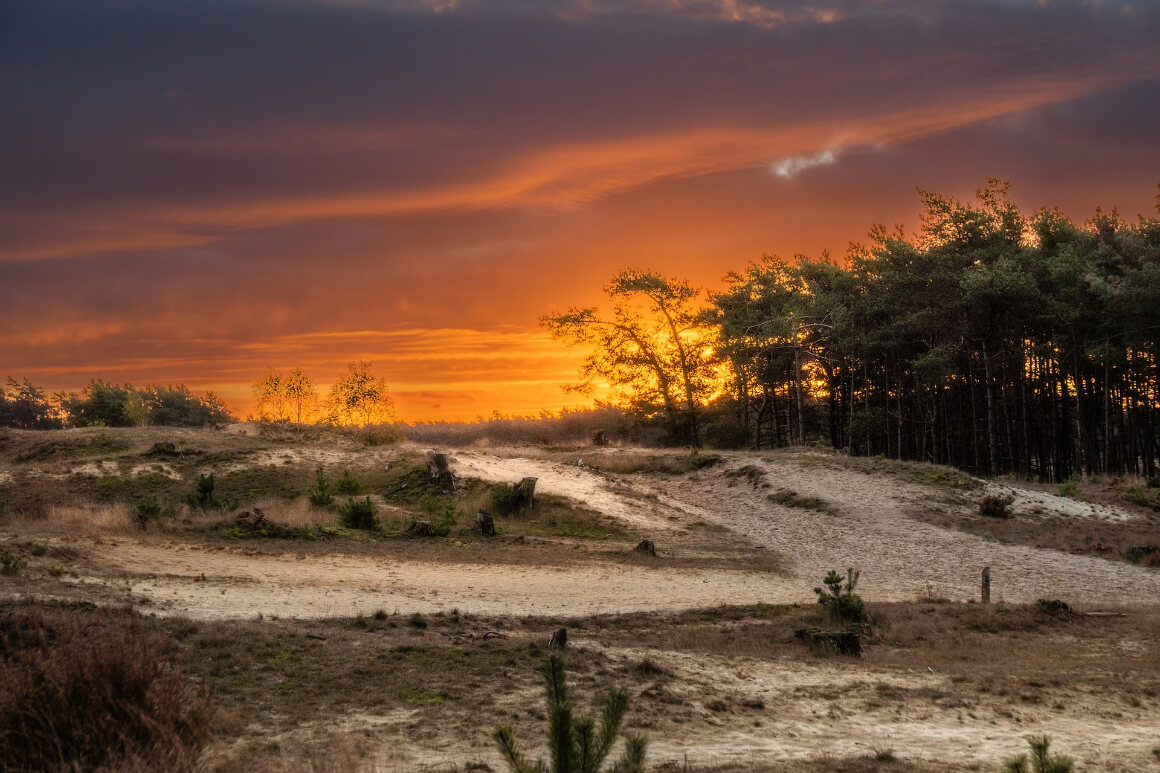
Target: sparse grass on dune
{"x":276,"y":677}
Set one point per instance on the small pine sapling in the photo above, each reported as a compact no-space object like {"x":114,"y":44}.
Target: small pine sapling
{"x":1041,"y":761}
{"x":839,"y":599}
{"x":575,"y":744}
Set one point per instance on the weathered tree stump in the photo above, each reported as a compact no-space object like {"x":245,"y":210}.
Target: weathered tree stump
{"x":986,"y":591}
{"x":421,"y":529}
{"x":439,"y":468}
{"x":524,"y":493}
{"x":831,"y":642}
{"x":599,"y":437}
{"x":646,"y":547}
{"x":559,"y":639}
{"x":485,"y":523}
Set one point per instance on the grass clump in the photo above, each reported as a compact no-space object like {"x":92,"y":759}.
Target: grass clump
{"x":1041,"y":760}
{"x":9,"y":563}
{"x":94,"y":693}
{"x":790,"y":498}
{"x":574,"y":744}
{"x":1145,"y":497}
{"x":359,"y":514}
{"x":996,"y":505}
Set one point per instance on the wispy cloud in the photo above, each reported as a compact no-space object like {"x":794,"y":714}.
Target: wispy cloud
{"x":789,"y":167}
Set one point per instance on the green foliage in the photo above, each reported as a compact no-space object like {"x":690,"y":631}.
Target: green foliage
{"x":503,"y":499}
{"x":146,"y":510}
{"x":9,"y":563}
{"x":25,"y":406}
{"x":575,"y":745}
{"x":1069,"y":488}
{"x":347,"y":484}
{"x":1041,"y":760}
{"x":203,"y":497}
{"x":102,"y":404}
{"x":839,"y":599}
{"x":1145,"y":497}
{"x":359,"y":514}
{"x":321,"y":496}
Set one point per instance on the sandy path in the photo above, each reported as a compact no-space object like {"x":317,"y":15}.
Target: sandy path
{"x":579,"y":483}
{"x":240,"y":585}
{"x":902,"y":558}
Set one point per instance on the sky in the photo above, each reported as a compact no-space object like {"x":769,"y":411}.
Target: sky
{"x":196,"y":191}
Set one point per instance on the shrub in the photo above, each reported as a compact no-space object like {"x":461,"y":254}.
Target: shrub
{"x":839,"y":599}
{"x":503,"y":499}
{"x":347,"y":484}
{"x":359,"y":514}
{"x":9,"y":563}
{"x":1042,"y":760}
{"x":144,"y":511}
{"x":574,"y":744}
{"x":203,"y":497}
{"x":95,"y":693}
{"x":321,"y":496}
{"x":996,"y":505}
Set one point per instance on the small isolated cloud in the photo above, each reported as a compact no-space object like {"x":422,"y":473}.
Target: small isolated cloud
{"x":788,"y":167}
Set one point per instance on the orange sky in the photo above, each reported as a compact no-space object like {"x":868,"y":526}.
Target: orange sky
{"x":195,"y":192}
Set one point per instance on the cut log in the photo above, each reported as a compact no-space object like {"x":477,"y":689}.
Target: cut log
{"x":524,"y":493}
{"x":646,"y":547}
{"x":559,"y":639}
{"x":831,"y":642}
{"x":421,"y":529}
{"x":485,"y":523}
{"x":439,"y":468}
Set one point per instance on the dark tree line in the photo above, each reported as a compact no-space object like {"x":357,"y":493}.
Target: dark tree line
{"x":994,"y":341}
{"x":102,"y":404}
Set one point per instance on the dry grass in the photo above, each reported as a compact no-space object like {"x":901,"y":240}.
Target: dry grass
{"x":94,"y":691}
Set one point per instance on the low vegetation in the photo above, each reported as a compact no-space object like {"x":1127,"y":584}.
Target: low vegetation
{"x":94,"y":691}
{"x":574,"y":744}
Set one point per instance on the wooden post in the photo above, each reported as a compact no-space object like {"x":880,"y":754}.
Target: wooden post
{"x":986,"y":585}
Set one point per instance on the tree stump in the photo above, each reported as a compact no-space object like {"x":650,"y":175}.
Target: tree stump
{"x":646,"y":547}
{"x":599,"y":437}
{"x":831,"y":642}
{"x":485,"y":524}
{"x":986,"y":591}
{"x":524,"y":493}
{"x":559,"y":639}
{"x":439,"y":468}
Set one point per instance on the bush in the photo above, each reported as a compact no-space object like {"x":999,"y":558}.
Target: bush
{"x":1042,"y":760}
{"x":359,"y":514}
{"x":95,"y":693}
{"x":574,"y":744}
{"x":996,"y":505}
{"x":321,"y":496}
{"x":203,"y":497}
{"x":144,"y":511}
{"x":9,"y":563}
{"x":839,"y":599}
{"x":347,"y":484}
{"x":503,"y":499}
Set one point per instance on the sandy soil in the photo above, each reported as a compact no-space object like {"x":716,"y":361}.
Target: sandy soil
{"x":866,"y":525}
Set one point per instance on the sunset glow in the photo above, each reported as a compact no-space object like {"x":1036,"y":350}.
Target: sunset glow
{"x":195,"y":192}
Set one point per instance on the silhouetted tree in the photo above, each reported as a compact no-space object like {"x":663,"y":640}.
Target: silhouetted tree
{"x":655,"y":348}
